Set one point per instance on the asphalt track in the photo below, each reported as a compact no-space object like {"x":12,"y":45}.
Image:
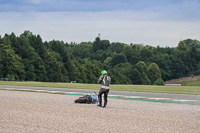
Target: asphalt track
{"x":154,"y":97}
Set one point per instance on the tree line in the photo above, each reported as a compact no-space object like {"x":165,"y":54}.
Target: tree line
{"x":27,"y":57}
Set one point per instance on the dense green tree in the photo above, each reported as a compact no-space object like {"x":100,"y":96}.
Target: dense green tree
{"x":118,"y":77}
{"x":6,"y":40}
{"x":14,"y":43}
{"x":117,"y":59}
{"x":33,"y":63}
{"x":60,"y":47}
{"x":55,"y":69}
{"x":79,"y":75}
{"x":1,"y":40}
{"x":107,"y":60}
{"x":182,"y":46}
{"x":158,"y":82}
{"x":141,"y":66}
{"x":30,"y":71}
{"x":142,"y":69}
{"x":11,"y":64}
{"x":32,"y":59}
{"x":131,"y":54}
{"x":176,"y":68}
{"x":123,"y":72}
{"x":105,"y":44}
{"x":39,"y":69}
{"x":92,"y":71}
{"x":116,"y":47}
{"x":135,"y":76}
{"x":97,"y":44}
{"x":153,"y":72}
{"x":83,"y":50}
{"x":125,"y":68}
{"x":37,"y":44}
{"x":145,"y":79}
{"x":164,"y":63}
{"x":146,"y":52}
{"x":100,"y":44}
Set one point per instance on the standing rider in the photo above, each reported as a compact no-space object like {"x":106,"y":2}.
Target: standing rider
{"x":104,"y":80}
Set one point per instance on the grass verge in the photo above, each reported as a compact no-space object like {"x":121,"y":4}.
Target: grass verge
{"x":193,"y":83}
{"x":195,"y":90}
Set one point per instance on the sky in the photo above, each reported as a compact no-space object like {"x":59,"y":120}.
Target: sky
{"x":150,"y":22}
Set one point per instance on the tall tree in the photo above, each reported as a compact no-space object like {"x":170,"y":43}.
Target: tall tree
{"x":153,"y":72}
{"x":117,"y":59}
{"x":135,"y":76}
{"x":11,"y":64}
{"x":97,"y":44}
{"x":60,"y":47}
{"x":100,"y":44}
{"x":182,"y":46}
{"x":55,"y":69}
{"x":142,"y":68}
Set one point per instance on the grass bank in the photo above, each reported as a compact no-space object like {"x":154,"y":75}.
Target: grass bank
{"x":195,"y":90}
{"x":193,"y":83}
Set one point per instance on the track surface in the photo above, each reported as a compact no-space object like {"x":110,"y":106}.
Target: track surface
{"x":121,"y":93}
{"x":30,"y":112}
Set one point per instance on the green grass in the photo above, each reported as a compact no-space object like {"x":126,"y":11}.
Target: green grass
{"x":195,"y":90}
{"x":194,"y":83}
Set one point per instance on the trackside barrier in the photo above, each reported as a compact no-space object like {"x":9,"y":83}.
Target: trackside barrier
{"x":172,"y":85}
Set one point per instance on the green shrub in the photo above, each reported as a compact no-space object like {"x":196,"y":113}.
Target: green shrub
{"x":158,"y":82}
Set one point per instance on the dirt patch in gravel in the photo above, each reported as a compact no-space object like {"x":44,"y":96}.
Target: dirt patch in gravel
{"x":29,"y":112}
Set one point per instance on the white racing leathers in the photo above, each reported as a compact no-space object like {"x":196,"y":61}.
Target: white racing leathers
{"x":105,"y":82}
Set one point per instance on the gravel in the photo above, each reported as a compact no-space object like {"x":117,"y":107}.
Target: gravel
{"x":30,"y":112}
